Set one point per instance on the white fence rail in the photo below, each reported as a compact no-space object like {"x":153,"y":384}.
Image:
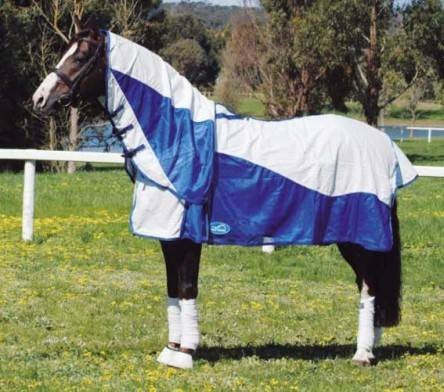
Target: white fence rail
{"x":50,"y":155}
{"x":31,"y":156}
{"x":428,"y":129}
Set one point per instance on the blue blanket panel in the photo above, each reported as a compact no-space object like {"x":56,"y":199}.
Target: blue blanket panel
{"x":251,"y":202}
{"x":184,"y":148}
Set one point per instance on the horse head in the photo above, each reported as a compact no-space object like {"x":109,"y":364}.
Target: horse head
{"x":78,"y":75}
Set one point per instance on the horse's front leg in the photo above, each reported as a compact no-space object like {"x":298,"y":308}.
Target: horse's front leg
{"x":172,"y":254}
{"x":182,"y":259}
{"x":188,"y":290}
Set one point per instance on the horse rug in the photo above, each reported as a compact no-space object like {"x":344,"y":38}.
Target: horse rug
{"x":204,"y":173}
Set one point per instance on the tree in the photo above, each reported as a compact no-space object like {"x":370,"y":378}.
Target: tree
{"x":309,"y":55}
{"x":33,"y":36}
{"x":187,"y":57}
{"x":18,"y":76}
{"x":291,"y":72}
{"x":386,"y":57}
{"x":423,"y":21}
{"x":240,"y":59}
{"x":191,"y":49}
{"x":279,"y":56}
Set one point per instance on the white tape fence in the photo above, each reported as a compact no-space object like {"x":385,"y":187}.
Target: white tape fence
{"x":428,"y":129}
{"x":31,"y":156}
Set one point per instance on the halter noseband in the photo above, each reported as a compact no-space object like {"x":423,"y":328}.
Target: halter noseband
{"x":69,"y":97}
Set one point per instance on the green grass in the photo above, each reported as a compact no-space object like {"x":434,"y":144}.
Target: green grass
{"x":429,"y":114}
{"x":82,"y":306}
{"x":251,"y":106}
{"x":422,"y":153}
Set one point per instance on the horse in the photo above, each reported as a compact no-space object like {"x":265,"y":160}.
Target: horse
{"x":87,"y":71}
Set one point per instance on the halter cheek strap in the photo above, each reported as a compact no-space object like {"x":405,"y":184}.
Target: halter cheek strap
{"x":63,"y":77}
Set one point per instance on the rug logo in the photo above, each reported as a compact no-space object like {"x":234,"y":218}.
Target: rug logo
{"x":219,"y":228}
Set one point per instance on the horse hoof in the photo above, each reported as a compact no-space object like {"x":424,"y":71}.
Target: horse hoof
{"x":364,"y":358}
{"x":166,"y":357}
{"x":175,"y":358}
{"x":181,"y":360}
{"x":358,"y":362}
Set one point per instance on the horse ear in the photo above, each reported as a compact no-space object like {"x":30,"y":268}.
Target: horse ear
{"x":77,"y":24}
{"x":92,"y":23}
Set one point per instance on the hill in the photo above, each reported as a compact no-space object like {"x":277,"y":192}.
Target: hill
{"x":212,"y":16}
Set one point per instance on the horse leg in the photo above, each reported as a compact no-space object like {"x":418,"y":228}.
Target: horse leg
{"x":172,"y":252}
{"x":378,"y":275}
{"x":188,"y":290}
{"x":182,"y":263}
{"x":368,"y":333}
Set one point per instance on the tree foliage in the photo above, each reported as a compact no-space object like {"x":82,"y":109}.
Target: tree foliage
{"x":34,"y":33}
{"x":309,"y":55}
{"x":300,"y":56}
{"x":423,"y":21}
{"x":192,"y":49}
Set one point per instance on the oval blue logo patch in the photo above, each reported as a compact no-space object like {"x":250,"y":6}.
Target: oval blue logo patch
{"x":219,"y":228}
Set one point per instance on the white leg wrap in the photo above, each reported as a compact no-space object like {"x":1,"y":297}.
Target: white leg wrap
{"x":366,"y":332}
{"x":181,"y":360}
{"x":174,"y":325}
{"x":167,"y":356}
{"x":189,"y":322}
{"x":269,"y":249}
{"x":266,"y":248}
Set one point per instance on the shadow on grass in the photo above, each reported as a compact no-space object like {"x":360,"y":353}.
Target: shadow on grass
{"x":313,"y":352}
{"x":424,"y":158}
{"x":98,"y":168}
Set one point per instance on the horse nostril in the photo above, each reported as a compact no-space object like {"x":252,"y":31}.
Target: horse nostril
{"x":39,"y":102}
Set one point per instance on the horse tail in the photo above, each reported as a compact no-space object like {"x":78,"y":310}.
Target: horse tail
{"x":388,"y":280}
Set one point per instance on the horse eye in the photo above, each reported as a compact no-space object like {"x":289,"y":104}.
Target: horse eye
{"x":79,"y":59}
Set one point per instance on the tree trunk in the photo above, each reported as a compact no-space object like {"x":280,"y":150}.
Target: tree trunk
{"x":52,"y":144}
{"x":73,"y":135}
{"x":373,"y":63}
{"x":52,"y":134}
{"x":304,"y":108}
{"x":381,"y":121}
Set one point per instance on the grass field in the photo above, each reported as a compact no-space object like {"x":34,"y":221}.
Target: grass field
{"x":429,"y":114}
{"x":82,"y":307}
{"x":422,"y":153}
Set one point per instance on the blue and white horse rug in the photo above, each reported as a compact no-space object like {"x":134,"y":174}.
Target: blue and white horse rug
{"x":209,"y":175}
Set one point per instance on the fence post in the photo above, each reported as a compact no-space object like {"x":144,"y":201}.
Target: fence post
{"x":28,"y":201}
{"x":429,"y":138}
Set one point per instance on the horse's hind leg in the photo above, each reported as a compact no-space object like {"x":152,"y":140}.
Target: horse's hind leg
{"x":378,"y":275}
{"x":188,"y":290}
{"x":368,"y":333}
